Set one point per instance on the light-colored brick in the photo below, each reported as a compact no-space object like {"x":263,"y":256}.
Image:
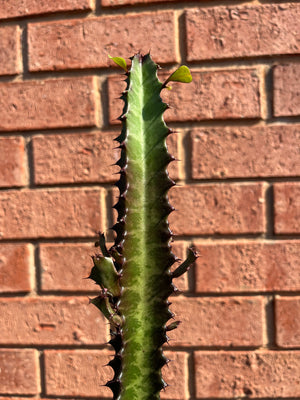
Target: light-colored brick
{"x":286,"y":92}
{"x":227,"y":94}
{"x":249,"y":266}
{"x":244,"y":152}
{"x":50,"y":213}
{"x":10,"y":50}
{"x":51,"y":321}
{"x":85,"y":43}
{"x":12,"y":162}
{"x":287,"y":207}
{"x":287,"y":311}
{"x":17,"y":8}
{"x":54,"y":103}
{"x":260,"y":374}
{"x":222,"y":321}
{"x":16,"y":272}
{"x":242,"y":31}
{"x":19,"y":372}
{"x":217,"y":209}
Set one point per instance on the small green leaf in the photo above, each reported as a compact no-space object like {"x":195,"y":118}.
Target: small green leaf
{"x":119,"y":61}
{"x":105,"y":275}
{"x":182,"y":74}
{"x":102,"y":302}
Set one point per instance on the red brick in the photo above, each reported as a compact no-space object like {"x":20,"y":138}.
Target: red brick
{"x":54,"y":103}
{"x":217,"y":209}
{"x":287,"y":321}
{"x":83,"y":372}
{"x":221,"y":321}
{"x":77,"y":373}
{"x":249,"y":266}
{"x":212,"y":95}
{"x":19,"y":372}
{"x":75,"y":158}
{"x":85,"y":43}
{"x":50,"y":213}
{"x":242,"y":31}
{"x":287,"y":207}
{"x":12,"y":162}
{"x":15,"y":8}
{"x":51,"y":321}
{"x":10,"y":50}
{"x":16,"y":273}
{"x":286,"y":95}
{"x":55,"y":277}
{"x":84,"y":157}
{"x":231,"y":152}
{"x":238,"y":374}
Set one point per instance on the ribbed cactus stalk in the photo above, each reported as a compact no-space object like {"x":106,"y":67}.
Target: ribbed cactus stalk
{"x":134,"y":274}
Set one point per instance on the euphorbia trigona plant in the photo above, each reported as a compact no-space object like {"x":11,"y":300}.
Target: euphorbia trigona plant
{"x":134,"y":274}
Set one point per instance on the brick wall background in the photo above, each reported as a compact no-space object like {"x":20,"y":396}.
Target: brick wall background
{"x":238,"y":128}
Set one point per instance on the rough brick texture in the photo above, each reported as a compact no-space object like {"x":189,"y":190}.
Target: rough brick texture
{"x":19,"y":371}
{"x":10,"y":51}
{"x":236,"y":136}
{"x":288,"y":321}
{"x":225,"y":209}
{"x":51,"y":321}
{"x":239,"y":152}
{"x":211,"y":95}
{"x":242,"y":31}
{"x":12,"y":162}
{"x":16,"y":268}
{"x":258,"y":374}
{"x":286,"y":90}
{"x":249,"y":266}
{"x":16,"y":8}
{"x":54,"y":103}
{"x":287,"y":208}
{"x":86,"y":43}
{"x":222,"y":322}
{"x":50,"y":213}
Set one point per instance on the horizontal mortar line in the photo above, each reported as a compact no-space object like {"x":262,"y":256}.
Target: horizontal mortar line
{"x":40,"y":347}
{"x":215,"y":181}
{"x":263,"y":236}
{"x":236,"y":294}
{"x":58,"y":131}
{"x":53,"y":188}
{"x":241,"y":397}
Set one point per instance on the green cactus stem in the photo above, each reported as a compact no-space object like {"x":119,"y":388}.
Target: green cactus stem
{"x":134,"y":274}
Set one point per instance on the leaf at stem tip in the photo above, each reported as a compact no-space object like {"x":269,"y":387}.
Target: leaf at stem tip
{"x":182,"y":74}
{"x":119,"y":61}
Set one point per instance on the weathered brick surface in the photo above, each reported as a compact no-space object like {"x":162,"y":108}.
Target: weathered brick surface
{"x":243,"y":152}
{"x":286,"y":90}
{"x":84,"y":157}
{"x":242,"y":31}
{"x":50,"y":213}
{"x":249,"y":266}
{"x":85,"y":43}
{"x":288,"y":321}
{"x":266,"y":374}
{"x":287,"y":208}
{"x":227,"y":94}
{"x":12,"y":162}
{"x":77,"y":257}
{"x":15,"y":8}
{"x":118,"y":3}
{"x":51,"y":321}
{"x":10,"y":52}
{"x":19,"y":372}
{"x":54,"y":103}
{"x":83,"y":372}
{"x":16,"y":263}
{"x":217,"y":209}
{"x":223,"y":321}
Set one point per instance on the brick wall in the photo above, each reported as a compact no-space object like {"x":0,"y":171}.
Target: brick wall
{"x":238,"y":131}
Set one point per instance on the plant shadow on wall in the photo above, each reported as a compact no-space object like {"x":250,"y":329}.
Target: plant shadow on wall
{"x":134,"y":274}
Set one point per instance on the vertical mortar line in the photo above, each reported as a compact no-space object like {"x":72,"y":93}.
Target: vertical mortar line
{"x":269,"y":339}
{"x":187,"y":155}
{"x":38,"y":269}
{"x":98,"y":110}
{"x":181,"y":36}
{"x":265,"y":87}
{"x":42,"y":374}
{"x":191,"y":376}
{"x":269,"y":211}
{"x":24,"y":49}
{"x":269,"y":90}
